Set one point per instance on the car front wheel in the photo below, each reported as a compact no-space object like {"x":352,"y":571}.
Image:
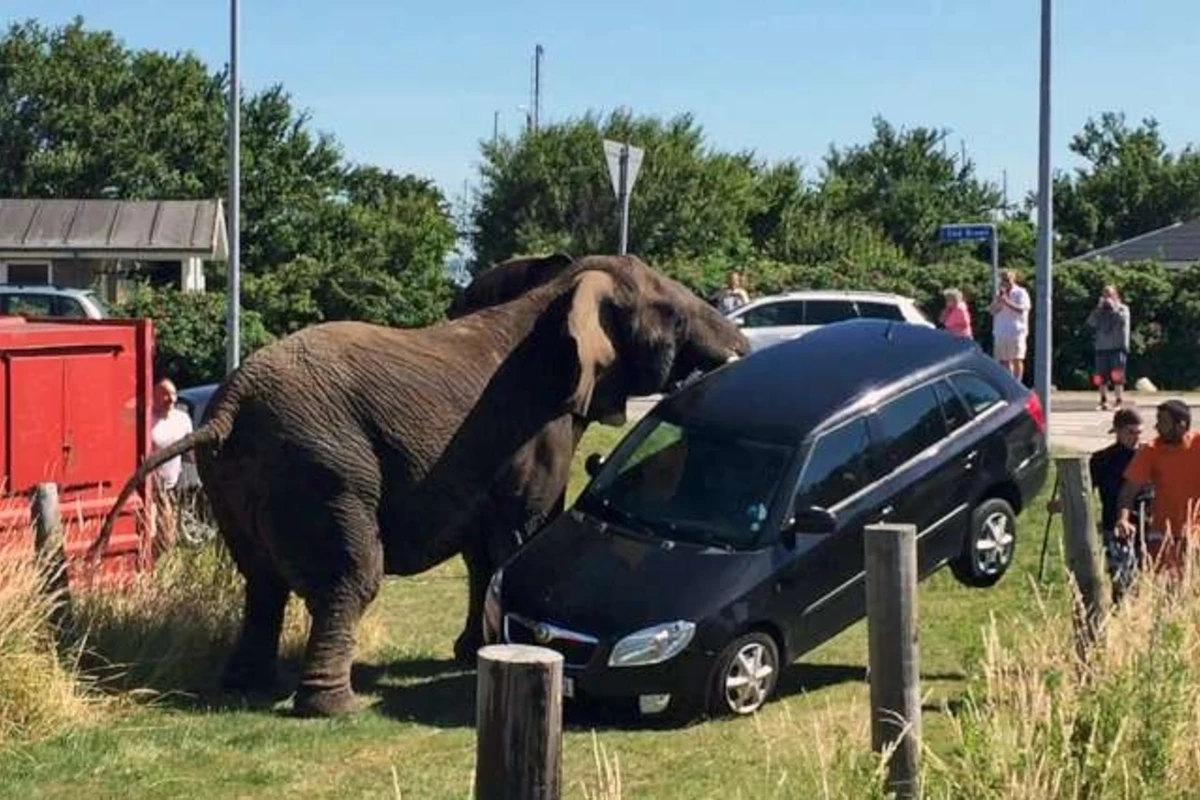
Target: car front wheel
{"x":988,"y":549}
{"x":744,"y":675}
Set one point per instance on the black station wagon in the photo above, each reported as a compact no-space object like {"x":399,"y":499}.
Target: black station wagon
{"x":723,"y":538}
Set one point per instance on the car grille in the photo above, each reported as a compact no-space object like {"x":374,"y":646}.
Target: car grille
{"x":577,"y":649}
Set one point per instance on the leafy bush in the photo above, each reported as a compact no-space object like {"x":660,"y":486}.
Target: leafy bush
{"x":189,"y":331}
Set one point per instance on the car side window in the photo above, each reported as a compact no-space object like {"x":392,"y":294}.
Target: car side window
{"x":880,"y":311}
{"x":825,"y":312}
{"x":953,"y":408}
{"x":908,"y":425}
{"x":30,"y":305}
{"x":837,"y":466}
{"x":70,"y":308}
{"x":785,"y":312}
{"x":978,"y":394}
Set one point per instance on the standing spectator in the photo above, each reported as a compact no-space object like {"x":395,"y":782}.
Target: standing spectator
{"x":956,"y":316}
{"x":1110,"y":318}
{"x":1107,"y":468}
{"x":1010,"y":324}
{"x":733,"y":296}
{"x":169,"y":425}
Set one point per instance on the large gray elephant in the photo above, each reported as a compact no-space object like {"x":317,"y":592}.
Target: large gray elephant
{"x":348,"y":451}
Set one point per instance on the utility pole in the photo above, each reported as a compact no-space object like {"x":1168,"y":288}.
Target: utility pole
{"x":1045,"y":229}
{"x":495,"y":126}
{"x":233,"y":325}
{"x":537,"y":86}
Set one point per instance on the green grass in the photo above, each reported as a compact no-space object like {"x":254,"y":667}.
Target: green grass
{"x":417,"y":735}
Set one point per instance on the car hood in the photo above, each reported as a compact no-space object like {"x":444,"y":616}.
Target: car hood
{"x":598,"y":578}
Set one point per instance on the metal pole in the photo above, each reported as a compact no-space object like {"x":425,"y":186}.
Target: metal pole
{"x":495,"y":126}
{"x":233,"y":338}
{"x":537,"y":87}
{"x":1045,"y":254}
{"x":624,"y":199}
{"x":995,"y":260}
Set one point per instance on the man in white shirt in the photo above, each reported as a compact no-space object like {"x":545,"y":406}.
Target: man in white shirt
{"x":1010,"y":323}
{"x":170,"y":424}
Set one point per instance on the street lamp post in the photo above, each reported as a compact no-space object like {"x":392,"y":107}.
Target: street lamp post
{"x":234,"y":289}
{"x":1045,"y":228}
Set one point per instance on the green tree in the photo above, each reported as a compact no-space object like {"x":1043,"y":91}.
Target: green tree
{"x":1131,"y":184}
{"x":904,"y":183}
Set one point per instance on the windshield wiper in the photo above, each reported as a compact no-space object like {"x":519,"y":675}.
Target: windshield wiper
{"x":697,"y":532}
{"x":621,"y":516}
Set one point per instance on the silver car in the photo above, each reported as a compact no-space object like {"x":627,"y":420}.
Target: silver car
{"x":776,"y":318}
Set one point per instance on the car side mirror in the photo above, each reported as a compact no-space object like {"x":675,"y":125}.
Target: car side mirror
{"x":810,"y":520}
{"x":593,"y":463}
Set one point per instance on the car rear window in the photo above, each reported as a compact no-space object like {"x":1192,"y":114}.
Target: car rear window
{"x":977,"y":393}
{"x":880,"y":310}
{"x":826,"y":312}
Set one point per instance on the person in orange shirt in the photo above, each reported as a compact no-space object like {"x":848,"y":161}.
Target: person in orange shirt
{"x":1172,"y":464}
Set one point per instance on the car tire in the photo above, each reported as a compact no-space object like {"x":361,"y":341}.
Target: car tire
{"x":744,"y":676}
{"x":989,"y":546}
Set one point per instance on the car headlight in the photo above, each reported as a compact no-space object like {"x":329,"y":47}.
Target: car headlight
{"x":652,"y":645}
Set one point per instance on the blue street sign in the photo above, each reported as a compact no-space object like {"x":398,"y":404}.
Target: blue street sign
{"x":964,"y":232}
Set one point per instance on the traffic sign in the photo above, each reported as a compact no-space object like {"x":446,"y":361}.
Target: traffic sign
{"x":612,"y":152}
{"x":960,"y":232}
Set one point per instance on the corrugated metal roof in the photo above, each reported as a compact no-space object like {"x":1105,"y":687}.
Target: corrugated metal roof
{"x":1176,"y":243}
{"x":149,"y":229}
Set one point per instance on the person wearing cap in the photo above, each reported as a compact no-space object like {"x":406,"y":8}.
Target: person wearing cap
{"x":1107,"y":467}
{"x":1171,"y":464}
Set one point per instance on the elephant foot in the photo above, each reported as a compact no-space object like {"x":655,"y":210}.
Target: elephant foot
{"x":325,"y":702}
{"x":466,"y":646}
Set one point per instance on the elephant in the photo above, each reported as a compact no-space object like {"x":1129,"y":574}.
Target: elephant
{"x":506,"y":280}
{"x":347,"y":451}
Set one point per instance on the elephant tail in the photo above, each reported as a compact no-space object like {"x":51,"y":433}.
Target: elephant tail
{"x":211,"y":434}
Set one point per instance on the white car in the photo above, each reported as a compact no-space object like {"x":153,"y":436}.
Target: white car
{"x":776,"y":318}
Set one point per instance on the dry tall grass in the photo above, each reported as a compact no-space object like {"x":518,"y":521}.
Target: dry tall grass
{"x":40,"y":690}
{"x":169,"y":632}
{"x":1123,"y":723}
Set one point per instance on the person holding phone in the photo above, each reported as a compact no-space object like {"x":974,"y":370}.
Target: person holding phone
{"x":1010,"y":324}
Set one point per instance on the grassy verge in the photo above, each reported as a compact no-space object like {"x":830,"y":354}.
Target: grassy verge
{"x":416,"y":739}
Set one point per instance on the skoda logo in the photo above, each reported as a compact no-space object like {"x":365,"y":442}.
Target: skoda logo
{"x":542,"y":633}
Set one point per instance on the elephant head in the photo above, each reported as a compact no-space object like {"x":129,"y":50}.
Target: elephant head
{"x":506,"y":280}
{"x":634,"y":332}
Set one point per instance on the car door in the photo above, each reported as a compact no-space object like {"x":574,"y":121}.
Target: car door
{"x":771,"y":322}
{"x":928,"y":467}
{"x":820,"y":590}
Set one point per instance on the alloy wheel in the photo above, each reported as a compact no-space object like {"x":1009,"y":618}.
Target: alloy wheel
{"x":749,"y":677}
{"x":994,"y":544}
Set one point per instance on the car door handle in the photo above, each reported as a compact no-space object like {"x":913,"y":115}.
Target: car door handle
{"x":969,"y":461}
{"x":885,"y":512}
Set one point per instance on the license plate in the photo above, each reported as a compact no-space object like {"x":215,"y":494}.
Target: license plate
{"x":568,"y":687}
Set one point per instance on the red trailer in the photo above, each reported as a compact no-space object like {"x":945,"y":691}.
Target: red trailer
{"x":75,"y":398}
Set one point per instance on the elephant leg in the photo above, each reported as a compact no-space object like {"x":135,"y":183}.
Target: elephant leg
{"x":252,"y":666}
{"x":351,"y":575}
{"x":479,"y":572}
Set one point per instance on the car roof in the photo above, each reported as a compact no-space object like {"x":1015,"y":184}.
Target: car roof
{"x":42,"y":288}
{"x":786,"y":391}
{"x":835,"y":294}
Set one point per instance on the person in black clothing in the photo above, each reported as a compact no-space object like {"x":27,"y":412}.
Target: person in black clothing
{"x":1107,"y":468}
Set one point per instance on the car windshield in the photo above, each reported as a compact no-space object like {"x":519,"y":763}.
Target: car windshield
{"x":688,"y":484}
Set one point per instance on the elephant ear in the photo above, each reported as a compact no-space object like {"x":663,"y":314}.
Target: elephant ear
{"x":593,"y":346}
{"x":507,"y":280}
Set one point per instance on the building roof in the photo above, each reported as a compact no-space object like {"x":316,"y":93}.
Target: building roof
{"x":149,"y":230}
{"x":784,"y":392}
{"x":1177,"y":243}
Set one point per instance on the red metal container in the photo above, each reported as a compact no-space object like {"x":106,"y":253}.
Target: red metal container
{"x":75,"y":400}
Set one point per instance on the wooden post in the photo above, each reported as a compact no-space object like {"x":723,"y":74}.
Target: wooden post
{"x":518,"y":734}
{"x":1081,"y":548}
{"x":891,"y":573}
{"x":49,"y":551}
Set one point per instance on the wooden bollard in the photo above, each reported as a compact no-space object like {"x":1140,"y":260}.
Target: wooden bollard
{"x":890,"y":552}
{"x":518,"y":733}
{"x":1080,"y":547}
{"x":49,"y":551}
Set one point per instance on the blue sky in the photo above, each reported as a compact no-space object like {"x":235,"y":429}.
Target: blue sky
{"x":413,"y":86}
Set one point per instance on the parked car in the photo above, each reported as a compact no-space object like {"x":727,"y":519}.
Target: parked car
{"x":776,"y":318}
{"x":723,"y":538}
{"x":38,"y":300}
{"x":193,"y":400}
